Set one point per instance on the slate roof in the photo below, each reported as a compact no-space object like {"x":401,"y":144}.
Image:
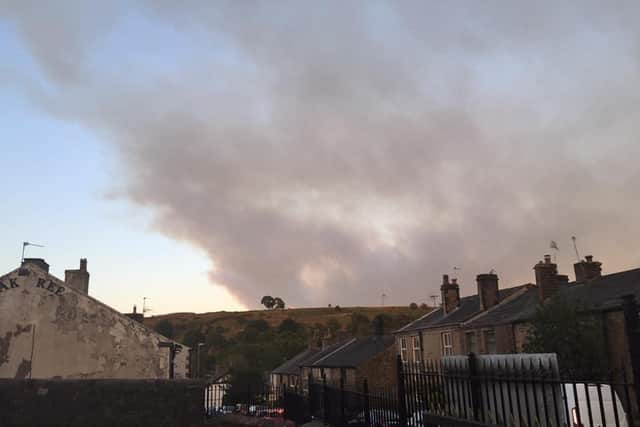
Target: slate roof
{"x":354,"y":352}
{"x":468,"y":308}
{"x":292,"y":366}
{"x":596,"y":295}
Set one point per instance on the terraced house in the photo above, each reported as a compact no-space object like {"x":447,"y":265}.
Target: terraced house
{"x":495,"y":321}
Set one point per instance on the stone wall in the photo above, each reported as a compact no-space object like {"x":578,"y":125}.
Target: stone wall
{"x":49,"y":330}
{"x":380,"y":371}
{"x":101,"y":403}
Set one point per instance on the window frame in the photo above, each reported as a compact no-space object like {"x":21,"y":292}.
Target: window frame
{"x":403,"y":349}
{"x":447,"y":343}
{"x":485,"y":335}
{"x":473,"y":342}
{"x":417,"y":351}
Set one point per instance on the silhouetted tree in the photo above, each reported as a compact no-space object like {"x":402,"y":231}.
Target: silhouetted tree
{"x":192,"y":337}
{"x":165,"y":327}
{"x":575,"y":336}
{"x":413,"y":306}
{"x":268,"y":301}
{"x":279,"y":303}
{"x":424,"y":306}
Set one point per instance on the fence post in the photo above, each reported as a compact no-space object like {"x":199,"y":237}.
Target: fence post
{"x":367,"y":414}
{"x":325,"y":401}
{"x":402,"y":397}
{"x":474,"y":381}
{"x":632,"y":327}
{"x":342,"y":399}
{"x":310,"y":396}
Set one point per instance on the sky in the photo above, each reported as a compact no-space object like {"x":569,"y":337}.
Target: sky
{"x":203,"y":154}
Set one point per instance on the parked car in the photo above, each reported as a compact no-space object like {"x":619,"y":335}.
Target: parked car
{"x":591,"y":397}
{"x":377,"y":417}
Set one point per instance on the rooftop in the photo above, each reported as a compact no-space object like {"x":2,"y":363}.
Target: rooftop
{"x":468,"y":308}
{"x":599,"y":294}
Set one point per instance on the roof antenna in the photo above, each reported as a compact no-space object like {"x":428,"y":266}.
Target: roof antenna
{"x":382,"y":297}
{"x":455,"y":270}
{"x":575,"y":247}
{"x":24,"y":245}
{"x":434,"y":298}
{"x":553,"y":245}
{"x":145,"y":308}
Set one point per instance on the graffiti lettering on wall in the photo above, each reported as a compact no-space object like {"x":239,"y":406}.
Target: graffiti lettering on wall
{"x":41,"y":283}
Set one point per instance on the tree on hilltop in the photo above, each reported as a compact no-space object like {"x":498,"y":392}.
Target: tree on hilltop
{"x":268,"y":301}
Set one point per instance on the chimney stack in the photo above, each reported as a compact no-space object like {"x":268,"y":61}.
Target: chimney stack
{"x":450,"y":294}
{"x":78,"y":279}
{"x":38,"y":262}
{"x":488,"y":290}
{"x":588,"y":269}
{"x":547,"y":278}
{"x":138,"y":317}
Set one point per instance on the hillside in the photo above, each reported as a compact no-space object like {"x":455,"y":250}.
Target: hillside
{"x":259,"y":340}
{"x":234,"y":322}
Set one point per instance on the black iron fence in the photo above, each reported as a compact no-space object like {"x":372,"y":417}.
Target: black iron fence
{"x":511,"y":390}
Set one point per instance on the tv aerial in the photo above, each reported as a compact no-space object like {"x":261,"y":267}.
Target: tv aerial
{"x":24,"y":246}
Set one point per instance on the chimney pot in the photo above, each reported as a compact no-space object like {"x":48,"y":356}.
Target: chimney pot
{"x":445,"y":279}
{"x":589,"y":258}
{"x":547,"y":259}
{"x":454,"y":281}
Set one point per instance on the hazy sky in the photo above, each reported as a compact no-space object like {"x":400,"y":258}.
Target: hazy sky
{"x":205,"y":153}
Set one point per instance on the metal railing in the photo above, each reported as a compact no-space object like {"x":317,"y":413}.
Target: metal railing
{"x":515,"y":390}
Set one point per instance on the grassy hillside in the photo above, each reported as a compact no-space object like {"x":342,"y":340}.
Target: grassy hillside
{"x":234,"y":322}
{"x":259,"y":340}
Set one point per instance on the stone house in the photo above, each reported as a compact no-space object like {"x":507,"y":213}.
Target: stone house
{"x":51,"y":328}
{"x":497,"y":321}
{"x":289,"y":373}
{"x":439,"y":332}
{"x":352,"y":361}
{"x":595,"y":294}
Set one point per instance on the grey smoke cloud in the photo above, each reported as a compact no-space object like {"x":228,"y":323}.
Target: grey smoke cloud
{"x":328,"y":151}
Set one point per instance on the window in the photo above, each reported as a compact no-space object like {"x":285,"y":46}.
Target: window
{"x":472,"y":342}
{"x":490,"y":341}
{"x":416,"y":349}
{"x":447,"y":344}
{"x":403,"y":349}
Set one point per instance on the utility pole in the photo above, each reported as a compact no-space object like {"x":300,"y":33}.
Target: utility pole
{"x":382,"y":297}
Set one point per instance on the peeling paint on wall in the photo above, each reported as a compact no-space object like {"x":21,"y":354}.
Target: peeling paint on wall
{"x":73,"y":335}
